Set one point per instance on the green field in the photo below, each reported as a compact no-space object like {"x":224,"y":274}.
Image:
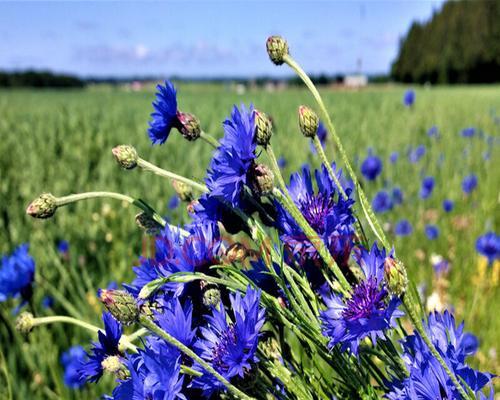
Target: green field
{"x":60,"y":142}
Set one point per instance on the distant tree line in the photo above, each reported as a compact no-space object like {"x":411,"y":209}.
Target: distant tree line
{"x":39,"y":79}
{"x":460,"y":44}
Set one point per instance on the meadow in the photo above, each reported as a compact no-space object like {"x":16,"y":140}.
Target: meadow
{"x":60,"y":142}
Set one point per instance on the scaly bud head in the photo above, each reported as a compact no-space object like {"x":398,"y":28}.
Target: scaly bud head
{"x":236,"y":253}
{"x":115,"y":366}
{"x":395,"y":274}
{"x":126,"y":156}
{"x":260,"y":179}
{"x":121,"y":304}
{"x":189,"y":125}
{"x":308,"y":121}
{"x":147,"y":223}
{"x":211,"y":294}
{"x":263,"y":128}
{"x":184,"y":191}
{"x":42,"y":207}
{"x":277,"y":48}
{"x":25,"y":323}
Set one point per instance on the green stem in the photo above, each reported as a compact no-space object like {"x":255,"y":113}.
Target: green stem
{"x":146,"y":322}
{"x":209,"y":139}
{"x":147,"y":166}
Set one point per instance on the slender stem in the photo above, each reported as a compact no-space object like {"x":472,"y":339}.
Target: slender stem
{"x":146,"y":322}
{"x":147,"y":166}
{"x":137,"y":334}
{"x":190,"y":371}
{"x":73,"y":198}
{"x":209,"y":139}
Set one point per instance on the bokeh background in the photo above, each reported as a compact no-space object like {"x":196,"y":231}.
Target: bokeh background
{"x":76,"y":79}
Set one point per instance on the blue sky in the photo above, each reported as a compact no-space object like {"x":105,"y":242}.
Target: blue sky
{"x":203,"y":39}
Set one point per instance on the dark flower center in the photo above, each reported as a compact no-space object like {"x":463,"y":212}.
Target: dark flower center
{"x":315,"y":208}
{"x":366,"y":298}
{"x":228,"y":338}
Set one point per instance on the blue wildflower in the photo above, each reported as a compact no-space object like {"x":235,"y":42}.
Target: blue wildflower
{"x":409,"y":98}
{"x":403,"y":228}
{"x":370,"y":310}
{"x":440,"y":264}
{"x":72,"y":360}
{"x":47,"y":302}
{"x":282,"y":162}
{"x":431,"y":231}
{"x":174,"y":202}
{"x":427,"y":187}
{"x":448,"y":205}
{"x":164,"y":118}
{"x":63,"y":247}
{"x":371,"y":166}
{"x":468,"y":132}
{"x":92,"y":370}
{"x":397,"y":196}
{"x":488,"y":245}
{"x":230,"y":347}
{"x":469,"y":183}
{"x":17,"y":274}
{"x":433,"y":131}
{"x":393,"y":158}
{"x":382,"y":202}
{"x":414,"y":155}
{"x":322,"y":134}
{"x":176,"y":320}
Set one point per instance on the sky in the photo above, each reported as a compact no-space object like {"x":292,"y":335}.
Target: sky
{"x":204,"y":39}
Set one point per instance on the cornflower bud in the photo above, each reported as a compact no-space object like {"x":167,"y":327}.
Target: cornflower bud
{"x":395,"y":274}
{"x":25,"y":323}
{"x":184,"y":191}
{"x":148,"y":224}
{"x":189,"y":125}
{"x":126,"y":156}
{"x":211,"y":294}
{"x":263,"y":128}
{"x":260,"y":179}
{"x":277,"y":48}
{"x":42,"y":207}
{"x":115,"y":366}
{"x":121,"y":304}
{"x":308,"y":121}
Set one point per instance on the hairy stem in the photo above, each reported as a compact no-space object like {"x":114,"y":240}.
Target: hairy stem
{"x":209,"y":139}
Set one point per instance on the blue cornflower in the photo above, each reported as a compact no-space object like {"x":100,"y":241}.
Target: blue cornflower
{"x":107,"y":346}
{"x":371,"y":166}
{"x":427,"y":187}
{"x":382,"y":202}
{"x":174,"y":202}
{"x":414,"y":155}
{"x":409,"y":98}
{"x":177,"y":321}
{"x":322,"y":134}
{"x":488,"y":245}
{"x":227,"y":173}
{"x":282,"y":162}
{"x":393,"y":158}
{"x":468,"y":132}
{"x":448,"y":205}
{"x":331,"y":219}
{"x":230,"y":347}
{"x":403,"y":228}
{"x":370,"y":310}
{"x":17,"y":274}
{"x":164,"y":118}
{"x":469,"y":183}
{"x":47,"y":302}
{"x":63,"y":247}
{"x":431,"y":231}
{"x":397,"y":196}
{"x":72,"y":360}
{"x":427,"y":379}
{"x":440,"y":264}
{"x":433,"y":131}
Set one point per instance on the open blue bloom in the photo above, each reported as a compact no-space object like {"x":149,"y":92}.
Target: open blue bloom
{"x":370,"y":310}
{"x":17,"y":274}
{"x":371,"y":166}
{"x":433,"y":131}
{"x":72,"y":360}
{"x":91,"y":370}
{"x":397,"y":196}
{"x":409,"y":98}
{"x":164,"y":118}
{"x":448,"y":205}
{"x":488,"y":245}
{"x":382,"y":202}
{"x":468,"y":132}
{"x":176,"y":320}
{"x":322,"y":134}
{"x":469,"y":183}
{"x":403,"y":228}
{"x":414,"y":155}
{"x":427,"y":187}
{"x":431,"y":231}
{"x":393,"y":158}
{"x":331,"y":218}
{"x":230,"y":347}
{"x":63,"y":246}
{"x":427,"y":379}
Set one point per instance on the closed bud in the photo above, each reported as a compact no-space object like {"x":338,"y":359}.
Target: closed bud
{"x":189,"y":125}
{"x":25,"y":323}
{"x":121,"y":304}
{"x":211,"y":294}
{"x":263,"y":128}
{"x":236,"y":253}
{"x":308,"y":121}
{"x":395,"y":275}
{"x":184,"y":191}
{"x":115,"y":366}
{"x":147,"y":223}
{"x":126,"y":156}
{"x":260,"y":179}
{"x":277,"y":48}
{"x":42,"y":207}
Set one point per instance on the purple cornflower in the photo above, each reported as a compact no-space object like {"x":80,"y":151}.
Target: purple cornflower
{"x":488,"y":245}
{"x":403,"y":228}
{"x":397,"y":196}
{"x":468,"y":132}
{"x":393,"y":158}
{"x":440,"y":264}
{"x":409,"y":98}
{"x":431,"y":231}
{"x":72,"y":360}
{"x":414,"y":155}
{"x":17,"y":274}
{"x":448,"y":205}
{"x":433,"y":131}
{"x":371,"y":166}
{"x":469,"y":183}
{"x":370,"y":310}
{"x":164,"y":118}
{"x":427,"y":187}
{"x":382,"y":202}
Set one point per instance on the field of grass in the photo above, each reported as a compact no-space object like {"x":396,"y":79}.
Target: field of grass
{"x":60,"y":142}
